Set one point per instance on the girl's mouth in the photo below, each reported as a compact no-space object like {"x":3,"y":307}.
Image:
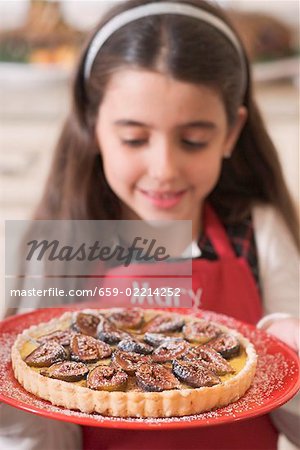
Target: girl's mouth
{"x":163,"y":199}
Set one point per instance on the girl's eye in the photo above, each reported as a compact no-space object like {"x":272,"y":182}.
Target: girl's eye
{"x":134,"y":142}
{"x":188,"y":144}
{"x":194,"y":144}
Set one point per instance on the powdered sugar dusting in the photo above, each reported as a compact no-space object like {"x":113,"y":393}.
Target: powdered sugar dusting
{"x":275,"y":373}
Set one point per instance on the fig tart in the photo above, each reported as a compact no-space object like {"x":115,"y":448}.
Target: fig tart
{"x":134,"y":362}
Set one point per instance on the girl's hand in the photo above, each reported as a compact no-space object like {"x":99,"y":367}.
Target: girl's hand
{"x":287,"y":330}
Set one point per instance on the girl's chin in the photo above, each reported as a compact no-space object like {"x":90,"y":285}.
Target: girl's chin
{"x":165,"y":215}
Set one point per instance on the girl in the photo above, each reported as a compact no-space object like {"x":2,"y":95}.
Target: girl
{"x":164,"y":126}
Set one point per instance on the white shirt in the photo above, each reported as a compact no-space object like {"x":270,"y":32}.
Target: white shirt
{"x":278,"y":260}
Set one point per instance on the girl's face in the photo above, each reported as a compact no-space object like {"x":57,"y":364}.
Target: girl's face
{"x":162,"y":143}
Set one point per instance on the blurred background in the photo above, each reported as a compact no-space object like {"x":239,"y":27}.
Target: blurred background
{"x":39,"y":44}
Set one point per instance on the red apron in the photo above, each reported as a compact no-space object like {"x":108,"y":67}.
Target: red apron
{"x":227,"y":287}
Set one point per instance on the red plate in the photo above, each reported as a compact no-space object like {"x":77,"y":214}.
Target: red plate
{"x":276,"y":380}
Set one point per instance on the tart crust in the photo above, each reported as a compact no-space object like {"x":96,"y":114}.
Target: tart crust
{"x":179,"y":402}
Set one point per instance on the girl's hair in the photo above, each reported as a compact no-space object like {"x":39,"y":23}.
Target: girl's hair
{"x":191,"y":51}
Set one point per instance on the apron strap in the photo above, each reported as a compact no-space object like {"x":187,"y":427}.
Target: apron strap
{"x":216,"y":232}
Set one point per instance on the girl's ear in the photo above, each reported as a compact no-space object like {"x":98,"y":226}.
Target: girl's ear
{"x":234,"y":131}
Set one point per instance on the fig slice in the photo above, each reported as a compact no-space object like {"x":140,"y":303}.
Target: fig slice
{"x":209,"y":358}
{"x":155,"y":378}
{"x":170,"y":350}
{"x":226,"y":344}
{"x":128,"y":361}
{"x":62,"y":337}
{"x":135,"y":346}
{"x":46,"y":354}
{"x":66,"y":371}
{"x":194,"y":374}
{"x":156,"y":339}
{"x":200,"y":331}
{"x":108,"y":332}
{"x":88,"y":349}
{"x":85,"y":323}
{"x":164,"y":324}
{"x":107,"y":378}
{"x":127,"y":318}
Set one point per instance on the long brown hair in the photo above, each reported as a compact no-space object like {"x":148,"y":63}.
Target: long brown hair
{"x":189,"y":50}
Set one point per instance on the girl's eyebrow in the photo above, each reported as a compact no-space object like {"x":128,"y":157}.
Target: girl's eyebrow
{"x":199,"y":124}
{"x":195,"y":124}
{"x":130,"y":123}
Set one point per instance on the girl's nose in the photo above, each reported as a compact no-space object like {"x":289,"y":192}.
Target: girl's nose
{"x":163,"y":164}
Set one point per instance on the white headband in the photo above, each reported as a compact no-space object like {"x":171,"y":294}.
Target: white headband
{"x":152,"y":9}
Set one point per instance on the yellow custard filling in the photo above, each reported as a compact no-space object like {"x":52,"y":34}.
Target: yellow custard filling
{"x":237,"y":363}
